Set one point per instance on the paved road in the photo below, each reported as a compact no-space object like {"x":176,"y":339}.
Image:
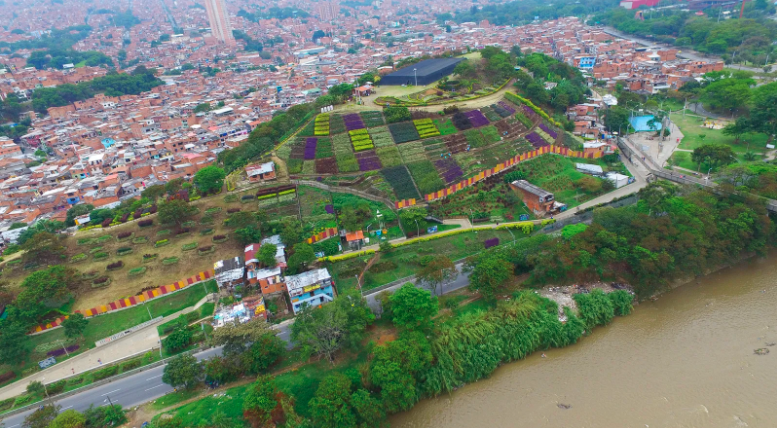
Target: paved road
{"x":461,"y":281}
{"x":132,"y":390}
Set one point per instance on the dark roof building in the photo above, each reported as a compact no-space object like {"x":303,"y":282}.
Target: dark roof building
{"x":426,"y":72}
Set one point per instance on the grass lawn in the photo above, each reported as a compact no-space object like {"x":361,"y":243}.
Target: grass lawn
{"x":691,"y":127}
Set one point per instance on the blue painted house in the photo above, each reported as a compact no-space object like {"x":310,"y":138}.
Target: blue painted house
{"x":313,"y":288}
{"x":108,"y":142}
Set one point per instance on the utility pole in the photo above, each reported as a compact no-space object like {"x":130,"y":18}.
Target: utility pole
{"x":742,"y":11}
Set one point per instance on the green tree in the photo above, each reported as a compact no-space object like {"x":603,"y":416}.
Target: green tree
{"x":242,"y":219}
{"x":69,"y":419}
{"x":260,"y":400}
{"x":330,"y":407}
{"x":302,"y":257}
{"x":153,"y":192}
{"x":42,"y":417}
{"x":99,"y":215}
{"x":105,"y":416}
{"x":263,"y":353}
{"x":616,"y":119}
{"x":202,"y":108}
{"x":75,"y":325}
{"x":436,"y":273}
{"x":14,"y":344}
{"x":222,"y":369}
{"x":173,"y":186}
{"x":413,"y":308}
{"x":488,"y":275}
{"x":183,"y":371}
{"x":36,"y":388}
{"x":176,"y":211}
{"x":77,"y":211}
{"x":43,"y":247}
{"x":266,"y":255}
{"x":180,"y":337}
{"x":210,"y":179}
{"x":368,"y":410}
{"x":394,"y":367}
{"x":236,"y":337}
{"x":291,"y":232}
{"x":713,"y":154}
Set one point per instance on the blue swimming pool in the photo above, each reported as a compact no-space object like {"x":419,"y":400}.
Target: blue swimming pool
{"x":640,"y":123}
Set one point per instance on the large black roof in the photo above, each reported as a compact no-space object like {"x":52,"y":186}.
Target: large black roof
{"x":425,"y":67}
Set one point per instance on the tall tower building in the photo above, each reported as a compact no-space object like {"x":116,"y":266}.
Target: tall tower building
{"x":328,"y":11}
{"x":219,"y":21}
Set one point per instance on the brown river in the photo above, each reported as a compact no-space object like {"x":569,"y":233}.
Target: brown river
{"x":685,"y":360}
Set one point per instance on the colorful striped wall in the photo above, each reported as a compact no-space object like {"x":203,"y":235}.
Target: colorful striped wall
{"x":563,"y":151}
{"x":131,"y":301}
{"x":327,"y":233}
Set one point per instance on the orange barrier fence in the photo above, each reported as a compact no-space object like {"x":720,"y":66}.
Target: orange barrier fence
{"x":404,"y":203}
{"x":131,"y":301}
{"x":506,"y":165}
{"x":327,"y":233}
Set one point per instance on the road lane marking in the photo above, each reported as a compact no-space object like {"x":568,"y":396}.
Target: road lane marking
{"x":155,"y":377}
{"x":111,"y":392}
{"x":161,"y":384}
{"x":67,"y":407}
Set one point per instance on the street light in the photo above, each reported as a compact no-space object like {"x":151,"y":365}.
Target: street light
{"x":416,"y":76}
{"x":417,"y":228}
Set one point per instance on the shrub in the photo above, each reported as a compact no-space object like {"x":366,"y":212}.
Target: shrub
{"x":189,"y":247}
{"x":77,"y":258}
{"x":220,"y":238}
{"x":145,"y":223}
{"x":105,"y":373}
{"x":90,"y":275}
{"x":233,"y":210}
{"x":101,"y":255}
{"x":595,"y":307}
{"x":140,"y":240}
{"x":182,"y":231}
{"x":129,"y":365}
{"x":137,"y":271}
{"x":124,"y":251}
{"x":189,"y":224}
{"x":7,"y":376}
{"x":621,"y":302}
{"x":101,"y":280}
{"x":75,"y":381}
{"x":124,"y":235}
{"x":107,"y":222}
{"x":161,"y":243}
{"x":206,"y":231}
{"x":59,"y":351}
{"x":115,"y":266}
{"x":170,"y":261}
{"x":95,"y":250}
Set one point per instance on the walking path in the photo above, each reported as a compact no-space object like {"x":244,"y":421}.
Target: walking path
{"x":139,"y":341}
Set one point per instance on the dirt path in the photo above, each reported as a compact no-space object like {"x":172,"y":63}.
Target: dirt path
{"x":369,"y":102}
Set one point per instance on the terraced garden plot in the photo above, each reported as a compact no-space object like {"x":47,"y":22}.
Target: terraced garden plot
{"x":434,"y":148}
{"x":372,"y":118}
{"x":336,"y":124}
{"x":321,"y":125}
{"x":548,"y":130}
{"x":309,"y":130}
{"x":347,"y":162}
{"x":490,"y":113}
{"x":324,"y":148}
{"x":389,"y":156}
{"x":309,"y":167}
{"x":294,"y":166}
{"x":342,"y":144}
{"x":298,"y":149}
{"x":399,"y":179}
{"x":361,"y":140}
{"x":425,"y":176}
{"x":509,"y":105}
{"x":449,"y":170}
{"x":313,"y":201}
{"x":445,"y":127}
{"x":326,"y":166}
{"x":381,"y":136}
{"x":536,"y":141}
{"x":461,"y":121}
{"x":544,"y":135}
{"x":475,"y":139}
{"x":368,"y":161}
{"x":497,"y":154}
{"x":353,"y":121}
{"x":403,"y":132}
{"x":491,"y":134}
{"x":469,"y":162}
{"x":412,"y":152}
{"x":457,"y":143}
{"x":503,"y":109}
{"x":426,"y":128}
{"x":310,"y":148}
{"x":276,"y":209}
{"x":477,"y":118}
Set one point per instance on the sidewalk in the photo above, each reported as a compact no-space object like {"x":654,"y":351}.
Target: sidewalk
{"x":138,"y":341}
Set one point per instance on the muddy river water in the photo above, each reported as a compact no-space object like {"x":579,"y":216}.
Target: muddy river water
{"x":685,"y":360}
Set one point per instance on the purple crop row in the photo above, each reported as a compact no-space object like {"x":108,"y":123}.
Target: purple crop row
{"x":59,"y":351}
{"x":493,"y":242}
{"x":368,"y":161}
{"x":353,"y":121}
{"x":450,"y":171}
{"x":549,"y":131}
{"x":536,"y":141}
{"x":310,"y":148}
{"x":507,"y":107}
{"x":477,"y":118}
{"x":528,"y":111}
{"x":329,"y":209}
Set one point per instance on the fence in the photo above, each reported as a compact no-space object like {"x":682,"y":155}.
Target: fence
{"x":126,"y":332}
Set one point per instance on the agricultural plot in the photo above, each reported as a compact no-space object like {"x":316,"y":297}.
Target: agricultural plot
{"x":324,"y":148}
{"x":353,"y":121}
{"x":400,"y":181}
{"x":381,"y":137}
{"x":507,"y":106}
{"x":309,"y":130}
{"x":477,"y":118}
{"x":368,"y":161}
{"x":309,"y":167}
{"x":425,"y":176}
{"x":412,"y":152}
{"x":372,"y":119}
{"x":435,"y":148}
{"x":469,"y":162}
{"x":347,"y":162}
{"x":445,"y":128}
{"x":536,"y":141}
{"x":491,"y":199}
{"x":403,"y":132}
{"x":342,"y":144}
{"x":548,"y":130}
{"x":310,"y":148}
{"x":361,"y":140}
{"x":449,"y":170}
{"x":294,"y":166}
{"x":315,"y":205}
{"x":336,"y":124}
{"x":490,"y":114}
{"x":326,"y":165}
{"x":457,"y":143}
{"x":491,"y":134}
{"x":321,"y":125}
{"x":475,"y":139}
{"x":461,"y":121}
{"x":426,"y":128}
{"x":544,"y":135}
{"x":389,"y":156}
